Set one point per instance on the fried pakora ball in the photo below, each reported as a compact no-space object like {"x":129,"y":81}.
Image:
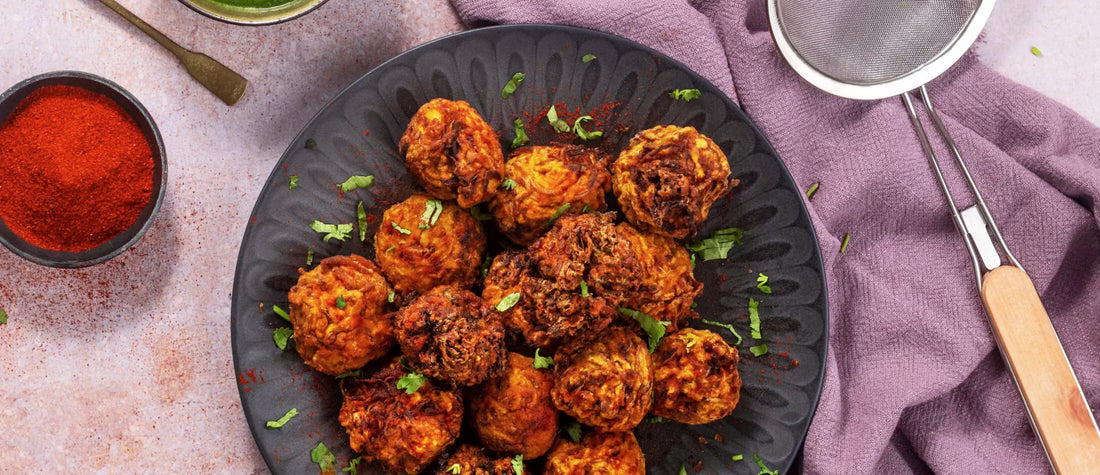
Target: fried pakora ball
{"x":604,"y":379}
{"x":549,"y":181}
{"x":581,"y":255}
{"x":450,"y":334}
{"x":695,"y":379}
{"x":609,"y":453}
{"x":667,"y":179}
{"x":471,"y":460}
{"x":513,"y":414}
{"x":337,"y":312}
{"x":404,"y":432}
{"x":423,"y":243}
{"x":452,"y":152}
{"x":667,"y":285}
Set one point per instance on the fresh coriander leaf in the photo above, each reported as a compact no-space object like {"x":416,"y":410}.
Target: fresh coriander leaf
{"x":1035,"y":51}
{"x":511,"y":86}
{"x":353,"y":466}
{"x":309,"y":257}
{"x":517,"y":464}
{"x":508,"y":184}
{"x":574,"y":431}
{"x":508,"y":302}
{"x":588,"y":58}
{"x":348,"y":374}
{"x":400,"y":229}
{"x":726,"y":326}
{"x":339,"y":231}
{"x":356,"y":181}
{"x":692,"y":261}
{"x":718,"y":245}
{"x":293,"y":181}
{"x":558,"y":124}
{"x":653,"y":327}
{"x":361,"y":214}
{"x":280,"y":422}
{"x":694,"y":304}
{"x":762,"y":284}
{"x":584,"y":289}
{"x":390,"y":296}
{"x":763,"y":468}
{"x":738,"y":457}
{"x":586,"y":208}
{"x":813,"y":189}
{"x":280,"y":312}
{"x":584,"y":134}
{"x":391,"y":248}
{"x":557,"y":214}
{"x":656,"y":420}
{"x":844,"y":243}
{"x":432,"y":209}
{"x":455,"y":469}
{"x":321,"y":456}
{"x":685,"y":94}
{"x":282,"y":334}
{"x":682,"y":470}
{"x":311,"y":144}
{"x":411,"y":382}
{"x":542,"y":362}
{"x":3,"y":317}
{"x":759,"y":350}
{"x":478,"y":215}
{"x":340,"y":302}
{"x":754,"y":318}
{"x":521,"y":134}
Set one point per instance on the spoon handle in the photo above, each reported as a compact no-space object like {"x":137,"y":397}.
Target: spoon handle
{"x":172,"y":46}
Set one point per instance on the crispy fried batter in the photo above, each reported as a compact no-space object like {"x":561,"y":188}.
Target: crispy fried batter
{"x":695,"y":377}
{"x":513,"y":413}
{"x":548,"y":276}
{"x":667,"y":179}
{"x":471,"y":460}
{"x":547,"y":178}
{"x":404,"y":432}
{"x":604,"y":379}
{"x":667,"y":285}
{"x":448,"y":252}
{"x":609,"y":453}
{"x":451,"y":335}
{"x":332,"y":339}
{"x":452,"y":152}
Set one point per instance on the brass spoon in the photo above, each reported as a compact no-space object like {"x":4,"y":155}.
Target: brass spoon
{"x":222,"y":81}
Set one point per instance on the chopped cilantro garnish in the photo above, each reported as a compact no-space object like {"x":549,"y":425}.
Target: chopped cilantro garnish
{"x":656,"y":420}
{"x":683,"y":471}
{"x":574,"y":431}
{"x":282,"y":334}
{"x":356,"y":181}
{"x":321,"y":456}
{"x":391,"y":248}
{"x":399,"y":228}
{"x":390,"y":296}
{"x":557,"y":214}
{"x":738,"y":457}
{"x":485,"y":266}
{"x":339,"y":231}
{"x":584,"y":134}
{"x":763,"y":468}
{"x":685,"y":94}
{"x":718,"y":245}
{"x":586,"y":208}
{"x":278,"y":311}
{"x":411,"y":382}
{"x":762,"y":284}
{"x":511,"y":86}
{"x":309,"y":257}
{"x":293,"y":181}
{"x":844,"y":243}
{"x":588,"y":58}
{"x":727,"y":327}
{"x":340,"y":302}
{"x":353,"y":466}
{"x":432,"y":209}
{"x":521,"y":134}
{"x":813,"y":189}
{"x":558,"y":124}
{"x":361,"y":214}
{"x":654,"y":328}
{"x":3,"y":317}
{"x":759,"y":350}
{"x":280,"y":422}
{"x":754,"y":318}
{"x":311,"y":144}
{"x":1035,"y":51}
{"x":542,"y":362}
{"x":508,"y":302}
{"x":517,"y":464}
{"x":508,"y":184}
{"x":478,"y":215}
{"x":348,"y":374}
{"x":455,"y":469}
{"x":584,"y":289}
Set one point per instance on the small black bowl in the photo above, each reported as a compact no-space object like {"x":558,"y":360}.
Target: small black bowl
{"x":8,"y":102}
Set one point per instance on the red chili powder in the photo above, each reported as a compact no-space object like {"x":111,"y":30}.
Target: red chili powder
{"x":77,"y":169}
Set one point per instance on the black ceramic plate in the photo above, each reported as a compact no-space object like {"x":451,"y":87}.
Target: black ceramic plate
{"x":626,"y":88}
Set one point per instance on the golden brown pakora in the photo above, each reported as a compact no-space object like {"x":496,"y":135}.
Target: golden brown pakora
{"x":549,"y":181}
{"x":404,"y":432}
{"x":608,"y":453}
{"x":667,"y":179}
{"x":452,"y":152}
{"x":604,"y":379}
{"x":450,"y":334}
{"x":337,"y":312}
{"x":666,"y":281}
{"x":471,"y":460}
{"x":514,"y":413}
{"x":695,"y":379}
{"x":423,"y":243}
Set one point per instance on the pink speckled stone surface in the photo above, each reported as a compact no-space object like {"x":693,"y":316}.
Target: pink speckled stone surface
{"x":126,"y":367}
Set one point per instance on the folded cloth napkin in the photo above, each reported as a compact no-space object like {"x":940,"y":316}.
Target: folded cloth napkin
{"x":914,"y":382}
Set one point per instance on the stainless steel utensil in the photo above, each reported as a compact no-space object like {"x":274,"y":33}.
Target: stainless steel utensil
{"x":872,"y":49}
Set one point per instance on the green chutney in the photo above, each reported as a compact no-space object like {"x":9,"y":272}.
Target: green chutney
{"x":253,"y":3}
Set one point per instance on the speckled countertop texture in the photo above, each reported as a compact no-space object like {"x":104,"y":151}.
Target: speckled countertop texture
{"x":125,"y":367}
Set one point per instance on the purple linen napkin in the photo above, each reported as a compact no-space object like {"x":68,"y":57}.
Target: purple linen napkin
{"x":914,"y":382}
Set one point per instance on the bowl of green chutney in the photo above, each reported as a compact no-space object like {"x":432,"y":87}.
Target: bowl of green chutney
{"x":253,"y":12}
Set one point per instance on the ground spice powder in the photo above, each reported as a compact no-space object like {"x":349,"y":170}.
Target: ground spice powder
{"x":75,"y":169}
